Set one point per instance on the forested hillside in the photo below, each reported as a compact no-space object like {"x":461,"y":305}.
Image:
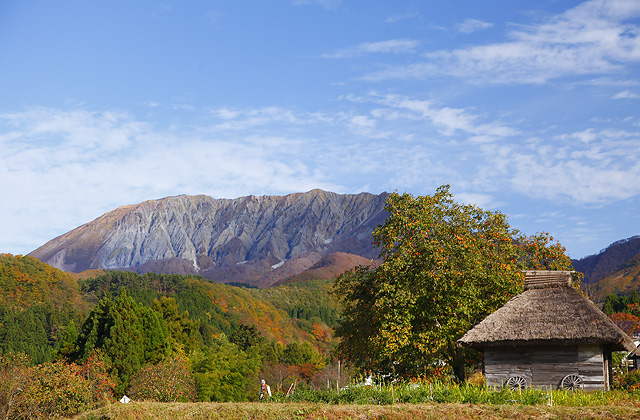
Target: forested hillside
{"x":227,"y":337}
{"x":609,"y":260}
{"x":25,"y":281}
{"x":37,"y":302}
{"x":624,"y":281}
{"x":616,"y":269}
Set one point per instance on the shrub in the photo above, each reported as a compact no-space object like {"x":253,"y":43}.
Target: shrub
{"x":15,"y":375}
{"x":168,"y":381}
{"x":96,"y":371}
{"x":50,"y":390}
{"x":630,"y":380}
{"x":55,"y":390}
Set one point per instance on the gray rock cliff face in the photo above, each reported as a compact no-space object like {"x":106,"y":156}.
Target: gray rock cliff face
{"x":242,"y":239}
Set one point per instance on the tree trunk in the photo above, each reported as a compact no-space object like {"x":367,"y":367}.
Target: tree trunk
{"x":457,"y":362}
{"x":458,"y":369}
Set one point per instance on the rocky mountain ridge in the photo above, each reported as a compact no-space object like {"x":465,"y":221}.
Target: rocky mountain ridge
{"x":256,"y":240}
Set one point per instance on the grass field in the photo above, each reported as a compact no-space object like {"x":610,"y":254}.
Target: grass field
{"x":439,"y":400}
{"x":316,"y":411}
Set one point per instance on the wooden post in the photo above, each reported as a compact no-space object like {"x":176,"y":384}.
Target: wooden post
{"x":338,"y":381}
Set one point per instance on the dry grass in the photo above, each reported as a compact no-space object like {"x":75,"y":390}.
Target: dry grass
{"x":313,"y":411}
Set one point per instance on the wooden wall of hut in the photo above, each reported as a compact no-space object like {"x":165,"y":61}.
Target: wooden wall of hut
{"x":546,"y":366}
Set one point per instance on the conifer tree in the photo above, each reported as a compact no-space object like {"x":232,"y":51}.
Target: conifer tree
{"x":129,"y":335}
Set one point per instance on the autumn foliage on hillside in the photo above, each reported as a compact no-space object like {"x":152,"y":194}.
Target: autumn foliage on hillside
{"x":25,"y":280}
{"x":158,"y":337}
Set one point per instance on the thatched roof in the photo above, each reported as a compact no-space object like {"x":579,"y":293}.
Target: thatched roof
{"x":549,"y":312}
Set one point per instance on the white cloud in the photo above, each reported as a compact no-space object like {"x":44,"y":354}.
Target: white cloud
{"x":242,"y":119}
{"x":448,"y":120}
{"x":59,"y":169}
{"x":393,"y":46}
{"x":594,"y":38}
{"x":626,"y":94}
{"x":484,"y":201}
{"x":473,"y":25}
{"x":401,"y":17}
{"x":591,"y":167}
{"x":608,"y":81}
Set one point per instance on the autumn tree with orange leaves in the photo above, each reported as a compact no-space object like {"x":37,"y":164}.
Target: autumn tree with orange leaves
{"x":445,"y":267}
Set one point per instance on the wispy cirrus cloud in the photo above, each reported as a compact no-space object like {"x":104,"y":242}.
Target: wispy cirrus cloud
{"x":401,"y":17}
{"x":393,"y":46}
{"x":589,"y":167}
{"x":59,"y":167}
{"x":473,"y":25}
{"x":626,"y":94}
{"x":594,"y":38}
{"x":243,"y":119}
{"x":447,"y":120}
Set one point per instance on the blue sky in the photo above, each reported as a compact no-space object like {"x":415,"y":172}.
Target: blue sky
{"x":531,"y":108}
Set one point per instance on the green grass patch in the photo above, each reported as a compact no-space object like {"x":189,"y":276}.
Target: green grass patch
{"x":442,"y":392}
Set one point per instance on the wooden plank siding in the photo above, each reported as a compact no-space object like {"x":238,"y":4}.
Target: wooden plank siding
{"x":591,"y":367}
{"x":551,"y":364}
{"x":545,"y":367}
{"x":500,"y":363}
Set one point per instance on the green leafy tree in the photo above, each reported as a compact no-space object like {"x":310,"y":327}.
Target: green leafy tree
{"x":67,"y":344}
{"x":445,"y":267}
{"x":30,"y":330}
{"x":223,"y":372}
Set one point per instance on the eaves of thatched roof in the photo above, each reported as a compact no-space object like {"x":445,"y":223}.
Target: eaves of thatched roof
{"x":547,"y":313}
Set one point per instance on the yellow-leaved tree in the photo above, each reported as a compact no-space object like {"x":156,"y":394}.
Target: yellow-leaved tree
{"x":445,"y":267}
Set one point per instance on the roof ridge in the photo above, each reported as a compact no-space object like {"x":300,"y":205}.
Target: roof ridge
{"x":535,"y":279}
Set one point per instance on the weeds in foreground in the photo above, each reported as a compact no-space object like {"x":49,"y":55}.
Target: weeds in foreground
{"x":443,"y":392}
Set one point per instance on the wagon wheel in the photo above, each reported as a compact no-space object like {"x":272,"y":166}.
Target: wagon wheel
{"x":571,"y":382}
{"x":517,"y":382}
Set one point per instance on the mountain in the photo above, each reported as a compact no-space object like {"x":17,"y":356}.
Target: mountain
{"x":253,"y":240}
{"x":615,"y":269}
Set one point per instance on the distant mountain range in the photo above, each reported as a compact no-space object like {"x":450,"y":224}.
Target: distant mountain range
{"x":254,"y":240}
{"x":268,"y":240}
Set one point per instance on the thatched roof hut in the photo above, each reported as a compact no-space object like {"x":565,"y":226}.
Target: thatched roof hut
{"x":550,"y":327}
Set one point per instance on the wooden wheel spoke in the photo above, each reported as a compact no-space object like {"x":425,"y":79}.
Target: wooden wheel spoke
{"x":517,"y":382}
{"x":571,"y":382}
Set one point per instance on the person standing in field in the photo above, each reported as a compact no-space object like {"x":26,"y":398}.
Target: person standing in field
{"x":265,"y":390}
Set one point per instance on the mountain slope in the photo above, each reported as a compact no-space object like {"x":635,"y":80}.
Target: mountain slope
{"x":329,"y":267}
{"x":256,"y":240}
{"x":624,"y":281}
{"x":615,"y":269}
{"x":609,"y":260}
{"x":25,"y":281}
